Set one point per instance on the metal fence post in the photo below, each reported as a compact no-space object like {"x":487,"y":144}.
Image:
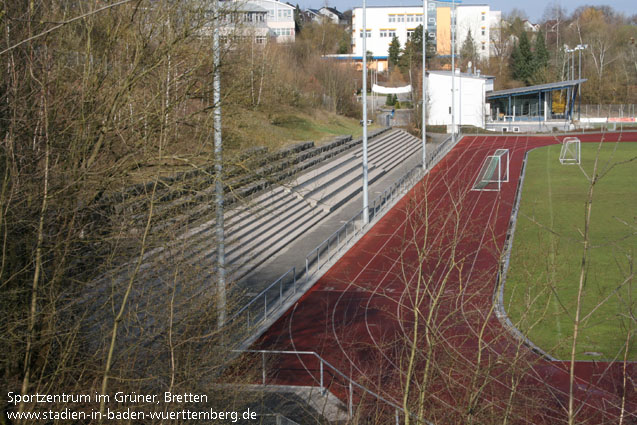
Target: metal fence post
{"x":265,"y":313}
{"x":321,"y":362}
{"x":351,"y":401}
{"x":263,"y":367}
{"x":397,"y":417}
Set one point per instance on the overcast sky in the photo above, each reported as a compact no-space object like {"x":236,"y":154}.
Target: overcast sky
{"x":534,"y":12}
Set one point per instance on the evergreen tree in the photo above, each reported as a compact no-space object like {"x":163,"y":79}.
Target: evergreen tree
{"x":412,"y":53}
{"x":523,"y":63}
{"x":468,"y":51}
{"x":540,"y":52}
{"x":298,"y":21}
{"x":394,"y":51}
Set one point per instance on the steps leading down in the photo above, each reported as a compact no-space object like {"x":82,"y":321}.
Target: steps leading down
{"x":333,"y":184}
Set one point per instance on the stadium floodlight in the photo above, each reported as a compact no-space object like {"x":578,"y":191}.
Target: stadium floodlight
{"x":493,"y":172}
{"x":571,"y":151}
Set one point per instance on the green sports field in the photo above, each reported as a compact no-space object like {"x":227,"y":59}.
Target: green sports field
{"x":541,"y":288}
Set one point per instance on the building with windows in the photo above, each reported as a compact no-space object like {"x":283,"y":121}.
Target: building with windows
{"x":243,"y":21}
{"x":385,"y":22}
{"x":469,"y":95}
{"x":279,"y":18}
{"x":475,"y":19}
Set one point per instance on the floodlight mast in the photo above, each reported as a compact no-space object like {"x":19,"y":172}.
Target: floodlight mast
{"x":365,"y":191}
{"x":453,"y":73}
{"x":424,"y":84}
{"x":218,"y":156}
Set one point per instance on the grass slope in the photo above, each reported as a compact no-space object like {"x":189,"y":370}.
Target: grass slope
{"x":542,"y":282}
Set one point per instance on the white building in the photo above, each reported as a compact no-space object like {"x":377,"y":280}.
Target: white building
{"x":474,"y":18}
{"x":470,"y":105}
{"x":243,"y":21}
{"x":495,"y":31}
{"x":279,"y":17}
{"x":332,"y":15}
{"x":385,"y":22}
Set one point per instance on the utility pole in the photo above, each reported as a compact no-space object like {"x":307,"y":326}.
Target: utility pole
{"x":424,"y":85}
{"x":218,"y":153}
{"x":453,"y":72}
{"x":365,"y":191}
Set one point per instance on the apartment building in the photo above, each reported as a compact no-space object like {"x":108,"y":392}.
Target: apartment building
{"x":385,"y":22}
{"x":279,"y":18}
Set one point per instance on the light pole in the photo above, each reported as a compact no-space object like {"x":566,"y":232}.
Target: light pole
{"x":424,"y":84}
{"x":365,"y":191}
{"x":579,"y":48}
{"x":453,"y":73}
{"x":570,"y":72}
{"x":218,"y":154}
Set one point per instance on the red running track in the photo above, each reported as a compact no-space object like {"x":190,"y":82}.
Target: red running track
{"x":418,"y":289}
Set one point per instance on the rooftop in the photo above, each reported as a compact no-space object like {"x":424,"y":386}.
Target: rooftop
{"x":534,"y":89}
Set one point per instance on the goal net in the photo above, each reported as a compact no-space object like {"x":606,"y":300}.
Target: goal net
{"x":493,"y":172}
{"x":570,"y":153}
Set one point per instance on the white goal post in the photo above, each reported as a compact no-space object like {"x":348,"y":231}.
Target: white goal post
{"x":493,"y":172}
{"x":570,"y":153}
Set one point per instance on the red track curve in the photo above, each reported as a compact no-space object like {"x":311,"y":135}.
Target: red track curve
{"x":360,"y":315}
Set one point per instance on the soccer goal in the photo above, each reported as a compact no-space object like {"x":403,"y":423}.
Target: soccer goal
{"x":493,"y":172}
{"x":570,"y":153}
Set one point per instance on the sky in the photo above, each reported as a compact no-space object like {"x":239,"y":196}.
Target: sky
{"x":535,"y":12}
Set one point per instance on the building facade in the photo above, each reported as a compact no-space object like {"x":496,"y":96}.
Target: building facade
{"x":385,"y":22}
{"x":469,"y":93}
{"x":279,"y":18}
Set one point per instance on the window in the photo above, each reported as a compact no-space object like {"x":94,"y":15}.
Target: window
{"x":383,"y":33}
{"x":432,"y":5}
{"x":432,"y":35}
{"x":391,"y":33}
{"x":369,"y":34}
{"x":484,"y":18}
{"x":432,"y":20}
{"x":259,"y":39}
{"x":392,"y":18}
{"x":483,"y":48}
{"x":484,"y":32}
{"x":410,"y":33}
{"x":400,"y":18}
{"x":410,"y":18}
{"x":418,"y":18}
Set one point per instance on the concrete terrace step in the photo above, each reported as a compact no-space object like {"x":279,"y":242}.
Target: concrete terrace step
{"x":247,"y":265}
{"x":320,"y":172}
{"x":386,"y":143}
{"x":332,"y":183}
{"x":242,"y":237}
{"x":240,"y":265}
{"x":239,"y":223}
{"x":275,"y":230}
{"x":348,"y":188}
{"x":400,"y":155}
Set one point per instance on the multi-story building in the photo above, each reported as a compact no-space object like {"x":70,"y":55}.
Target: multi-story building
{"x":279,"y":17}
{"x":385,"y":22}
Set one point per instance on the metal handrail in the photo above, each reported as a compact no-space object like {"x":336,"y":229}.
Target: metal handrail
{"x":322,"y":364}
{"x":335,"y":243}
{"x":264,"y":294}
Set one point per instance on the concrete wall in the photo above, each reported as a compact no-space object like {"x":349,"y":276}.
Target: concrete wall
{"x":469,"y":99}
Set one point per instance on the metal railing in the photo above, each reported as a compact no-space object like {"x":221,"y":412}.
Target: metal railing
{"x":325,"y":371}
{"x":261,"y":306}
{"x":272,"y":297}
